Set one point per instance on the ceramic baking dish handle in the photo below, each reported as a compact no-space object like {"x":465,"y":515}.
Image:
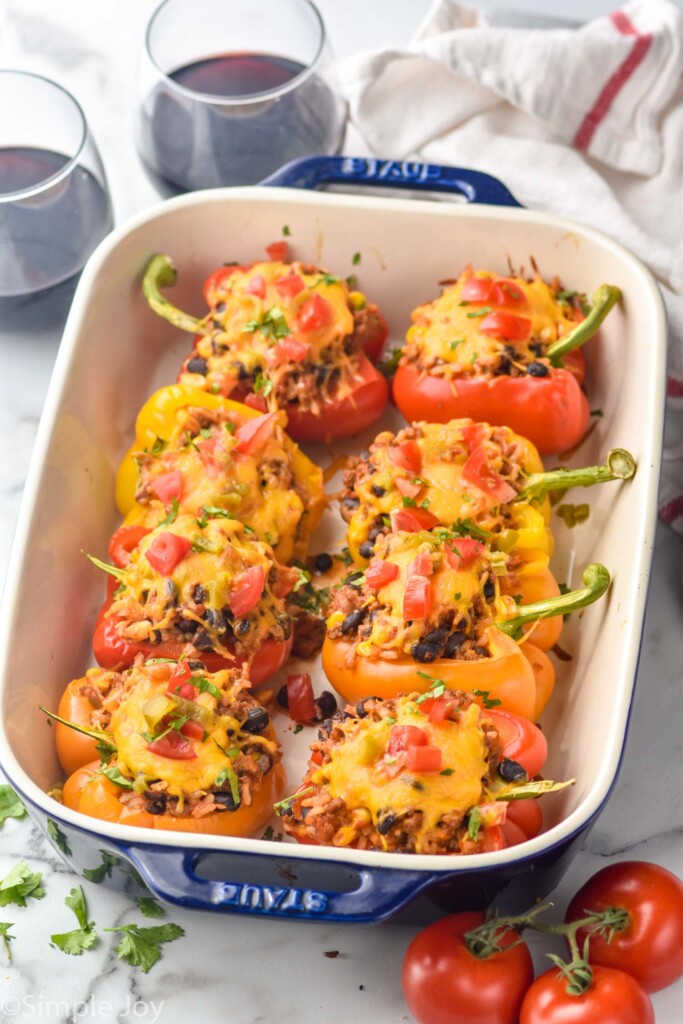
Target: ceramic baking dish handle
{"x":172,"y":876}
{"x":314,"y":171}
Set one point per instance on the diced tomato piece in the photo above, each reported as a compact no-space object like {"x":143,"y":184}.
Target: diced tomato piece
{"x":168,"y":486}
{"x":173,"y":746}
{"x":473,"y":435}
{"x":300,"y":697}
{"x":124,"y":541}
{"x":256,"y":402}
{"x":462,"y":551}
{"x":379,"y":573}
{"x":277,"y":251}
{"x":315,"y":313}
{"x":424,"y":759}
{"x":193,"y":730}
{"x":406,"y":456}
{"x":478,"y":472}
{"x":402,"y":737}
{"x":507,"y":293}
{"x":407,"y":488}
{"x":317,"y":757}
{"x":290,"y":285}
{"x":421,"y":565}
{"x":477,"y":289}
{"x":417,"y":599}
{"x":506,"y":325}
{"x":214,"y":284}
{"x":257,"y":286}
{"x":166,"y":551}
{"x":248,"y":589}
{"x":439,"y":711}
{"x":290,"y":350}
{"x":412,"y":520}
{"x":286,"y":581}
{"x":179,"y":682}
{"x":253,"y":434}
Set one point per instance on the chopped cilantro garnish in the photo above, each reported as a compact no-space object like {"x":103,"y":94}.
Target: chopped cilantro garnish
{"x":272,"y":325}
{"x":83,"y":937}
{"x":285,"y":230}
{"x":327,"y":279}
{"x":298,"y":728}
{"x":262,"y":385}
{"x":454,"y":344}
{"x":447,"y":771}
{"x":388,"y":366}
{"x":474,"y":824}
{"x":141,"y":947}
{"x":206,"y":686}
{"x":488,"y":702}
{"x":355,"y":259}
{"x":286,"y":804}
{"x":113,"y":773}
{"x":408,"y":502}
{"x":479,"y":312}
{"x":172,"y":515}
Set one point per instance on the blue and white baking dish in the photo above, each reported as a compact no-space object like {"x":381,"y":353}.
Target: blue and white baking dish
{"x":115,"y":353}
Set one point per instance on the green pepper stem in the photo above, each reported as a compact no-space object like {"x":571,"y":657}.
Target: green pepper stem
{"x":619,"y":465}
{"x":160,"y":273}
{"x":596,"y":580}
{"x":604,"y":299}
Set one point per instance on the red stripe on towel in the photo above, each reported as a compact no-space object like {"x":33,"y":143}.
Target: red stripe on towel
{"x":674,"y":388}
{"x":615,"y":84}
{"x":672,"y":511}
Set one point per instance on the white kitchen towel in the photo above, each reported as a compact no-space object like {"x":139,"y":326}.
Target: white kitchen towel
{"x":586,"y":123}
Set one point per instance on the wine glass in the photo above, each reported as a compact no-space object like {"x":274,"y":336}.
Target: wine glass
{"x":54,"y":202}
{"x":233,"y":89}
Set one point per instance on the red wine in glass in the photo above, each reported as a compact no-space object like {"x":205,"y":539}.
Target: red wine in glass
{"x":47,"y":230}
{"x":192,"y":140}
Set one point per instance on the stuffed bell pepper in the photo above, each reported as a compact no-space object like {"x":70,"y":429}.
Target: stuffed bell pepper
{"x":194,"y":449}
{"x":432,"y":598}
{"x":502,"y":351}
{"x":430,"y":773}
{"x":199,"y":586}
{"x":485,"y":478}
{"x":283,"y":336}
{"x":179,"y":748}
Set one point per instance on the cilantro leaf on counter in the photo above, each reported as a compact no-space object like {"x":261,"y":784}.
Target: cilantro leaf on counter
{"x":141,"y":947}
{"x":84,"y":937}
{"x":10,"y":804}
{"x":5,"y":937}
{"x":20,"y":884}
{"x":150,"y":907}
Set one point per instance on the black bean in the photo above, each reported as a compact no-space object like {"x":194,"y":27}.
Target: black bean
{"x":536,"y":347}
{"x":155,"y":636}
{"x":326,"y":705}
{"x":325,"y":729}
{"x":353,"y":621}
{"x":436,"y":636}
{"x":225,"y":799}
{"x":386,"y":823}
{"x":511,"y":771}
{"x":350,"y":503}
{"x":242,"y":371}
{"x":510,"y":351}
{"x":202,"y":640}
{"x":198,"y":365}
{"x":156,"y":802}
{"x":353,"y":576}
{"x":376,"y":529}
{"x":424,"y":653}
{"x":215,"y":619}
{"x":454,"y":643}
{"x":257,"y":721}
{"x":489,"y":590}
{"x":360,"y":706}
{"x":367,"y":549}
{"x":340,"y":715}
{"x":537,"y":370}
{"x":220,"y":308}
{"x":198,"y":594}
{"x":365,"y":455}
{"x":186,"y":625}
{"x":504,"y":367}
{"x":378,"y":491}
{"x":242,"y":627}
{"x":483,"y":652}
{"x":323,"y":562}
{"x":283,"y":697}
{"x":197,"y":666}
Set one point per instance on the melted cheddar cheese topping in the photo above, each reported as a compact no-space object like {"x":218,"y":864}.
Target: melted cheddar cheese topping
{"x":220,"y":551}
{"x":250,"y":327}
{"x":446,"y":493}
{"x":357,"y":771}
{"x":131,"y":733}
{"x":260,"y":489}
{"x":445,"y":334}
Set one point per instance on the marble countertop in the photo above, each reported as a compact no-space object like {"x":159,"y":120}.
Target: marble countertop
{"x":246,"y":971}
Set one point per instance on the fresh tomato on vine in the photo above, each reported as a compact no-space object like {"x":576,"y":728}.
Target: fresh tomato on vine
{"x":612,"y":997}
{"x":444,"y":982}
{"x":650,"y":945}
